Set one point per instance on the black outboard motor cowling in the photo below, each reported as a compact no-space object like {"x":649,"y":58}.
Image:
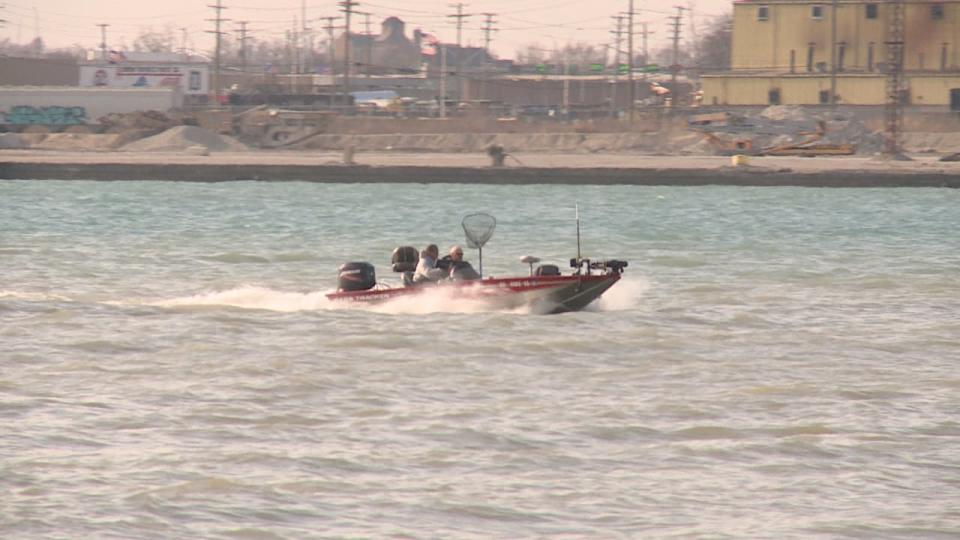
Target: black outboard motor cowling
{"x":405,"y":259}
{"x":356,"y":276}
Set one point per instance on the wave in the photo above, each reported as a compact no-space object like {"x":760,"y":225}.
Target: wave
{"x":34,"y":296}
{"x":236,"y":258}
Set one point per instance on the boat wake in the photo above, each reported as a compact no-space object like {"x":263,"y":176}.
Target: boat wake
{"x":250,"y":297}
{"x":627,"y":295}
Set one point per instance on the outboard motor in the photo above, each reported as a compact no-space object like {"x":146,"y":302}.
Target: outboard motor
{"x":356,"y":276}
{"x":405,"y":259}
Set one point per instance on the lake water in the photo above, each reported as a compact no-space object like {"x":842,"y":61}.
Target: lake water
{"x":776,"y":363}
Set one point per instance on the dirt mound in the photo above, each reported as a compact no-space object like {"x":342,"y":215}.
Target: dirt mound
{"x":179,"y":138}
{"x":787,"y":112}
{"x":81,"y":142}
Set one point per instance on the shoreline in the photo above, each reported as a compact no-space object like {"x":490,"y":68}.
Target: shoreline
{"x":424,"y":168}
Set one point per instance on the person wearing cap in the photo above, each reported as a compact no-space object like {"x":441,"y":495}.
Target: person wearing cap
{"x":427,"y":271}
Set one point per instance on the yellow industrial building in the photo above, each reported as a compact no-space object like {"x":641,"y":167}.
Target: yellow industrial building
{"x":782,"y":52}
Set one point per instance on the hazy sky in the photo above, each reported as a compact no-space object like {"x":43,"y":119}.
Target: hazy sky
{"x":520,"y":22}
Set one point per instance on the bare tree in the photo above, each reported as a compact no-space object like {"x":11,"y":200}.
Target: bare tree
{"x":715,"y":45}
{"x":151,"y":40}
{"x":532,"y":54}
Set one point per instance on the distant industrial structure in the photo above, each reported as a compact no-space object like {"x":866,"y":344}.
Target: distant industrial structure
{"x":805,"y":52}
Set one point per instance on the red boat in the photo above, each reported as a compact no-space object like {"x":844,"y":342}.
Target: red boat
{"x":544,"y":290}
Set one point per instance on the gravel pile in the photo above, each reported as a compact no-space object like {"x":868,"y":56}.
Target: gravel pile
{"x":179,"y":138}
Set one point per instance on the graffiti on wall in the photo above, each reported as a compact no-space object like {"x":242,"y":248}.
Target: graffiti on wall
{"x":48,"y":116}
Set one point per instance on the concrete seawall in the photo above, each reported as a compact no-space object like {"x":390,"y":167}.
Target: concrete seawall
{"x":625,"y":170}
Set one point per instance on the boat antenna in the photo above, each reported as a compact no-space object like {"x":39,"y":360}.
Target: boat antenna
{"x":478,"y":228}
{"x":578,"y":231}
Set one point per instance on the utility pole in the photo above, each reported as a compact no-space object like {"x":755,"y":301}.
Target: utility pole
{"x":103,"y":40}
{"x":459,"y":16}
{"x":218,"y":20}
{"x":646,"y":55}
{"x":487,"y":30}
{"x":833,"y":55}
{"x":632,"y":91}
{"x":443,"y":80}
{"x":675,"y":67}
{"x":305,"y":42}
{"x":243,"y":46}
{"x":330,"y":28}
{"x":347,"y":8}
{"x":616,"y":64}
{"x":369,"y":55}
{"x":295,"y":49}
{"x":894,"y":108}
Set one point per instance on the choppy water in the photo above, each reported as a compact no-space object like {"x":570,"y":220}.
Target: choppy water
{"x":777,"y":363}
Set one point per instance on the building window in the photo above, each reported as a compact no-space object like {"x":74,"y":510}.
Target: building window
{"x":943,"y":57}
{"x":816,"y":12}
{"x":763,"y":13}
{"x":870,"y":56}
{"x":824,"y":97}
{"x":936,"y":12}
{"x":194,"y":83}
{"x":871,"y":11}
{"x":841,"y":52}
{"x":773,"y":96}
{"x":793,"y":61}
{"x":810,"y":57}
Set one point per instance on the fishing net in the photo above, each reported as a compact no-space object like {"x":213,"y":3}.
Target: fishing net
{"x":478,"y":228}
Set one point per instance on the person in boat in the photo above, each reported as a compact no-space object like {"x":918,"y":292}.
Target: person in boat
{"x":427,"y":271}
{"x":459,"y":268}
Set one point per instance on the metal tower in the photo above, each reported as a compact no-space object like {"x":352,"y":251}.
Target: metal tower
{"x":894,"y":105}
